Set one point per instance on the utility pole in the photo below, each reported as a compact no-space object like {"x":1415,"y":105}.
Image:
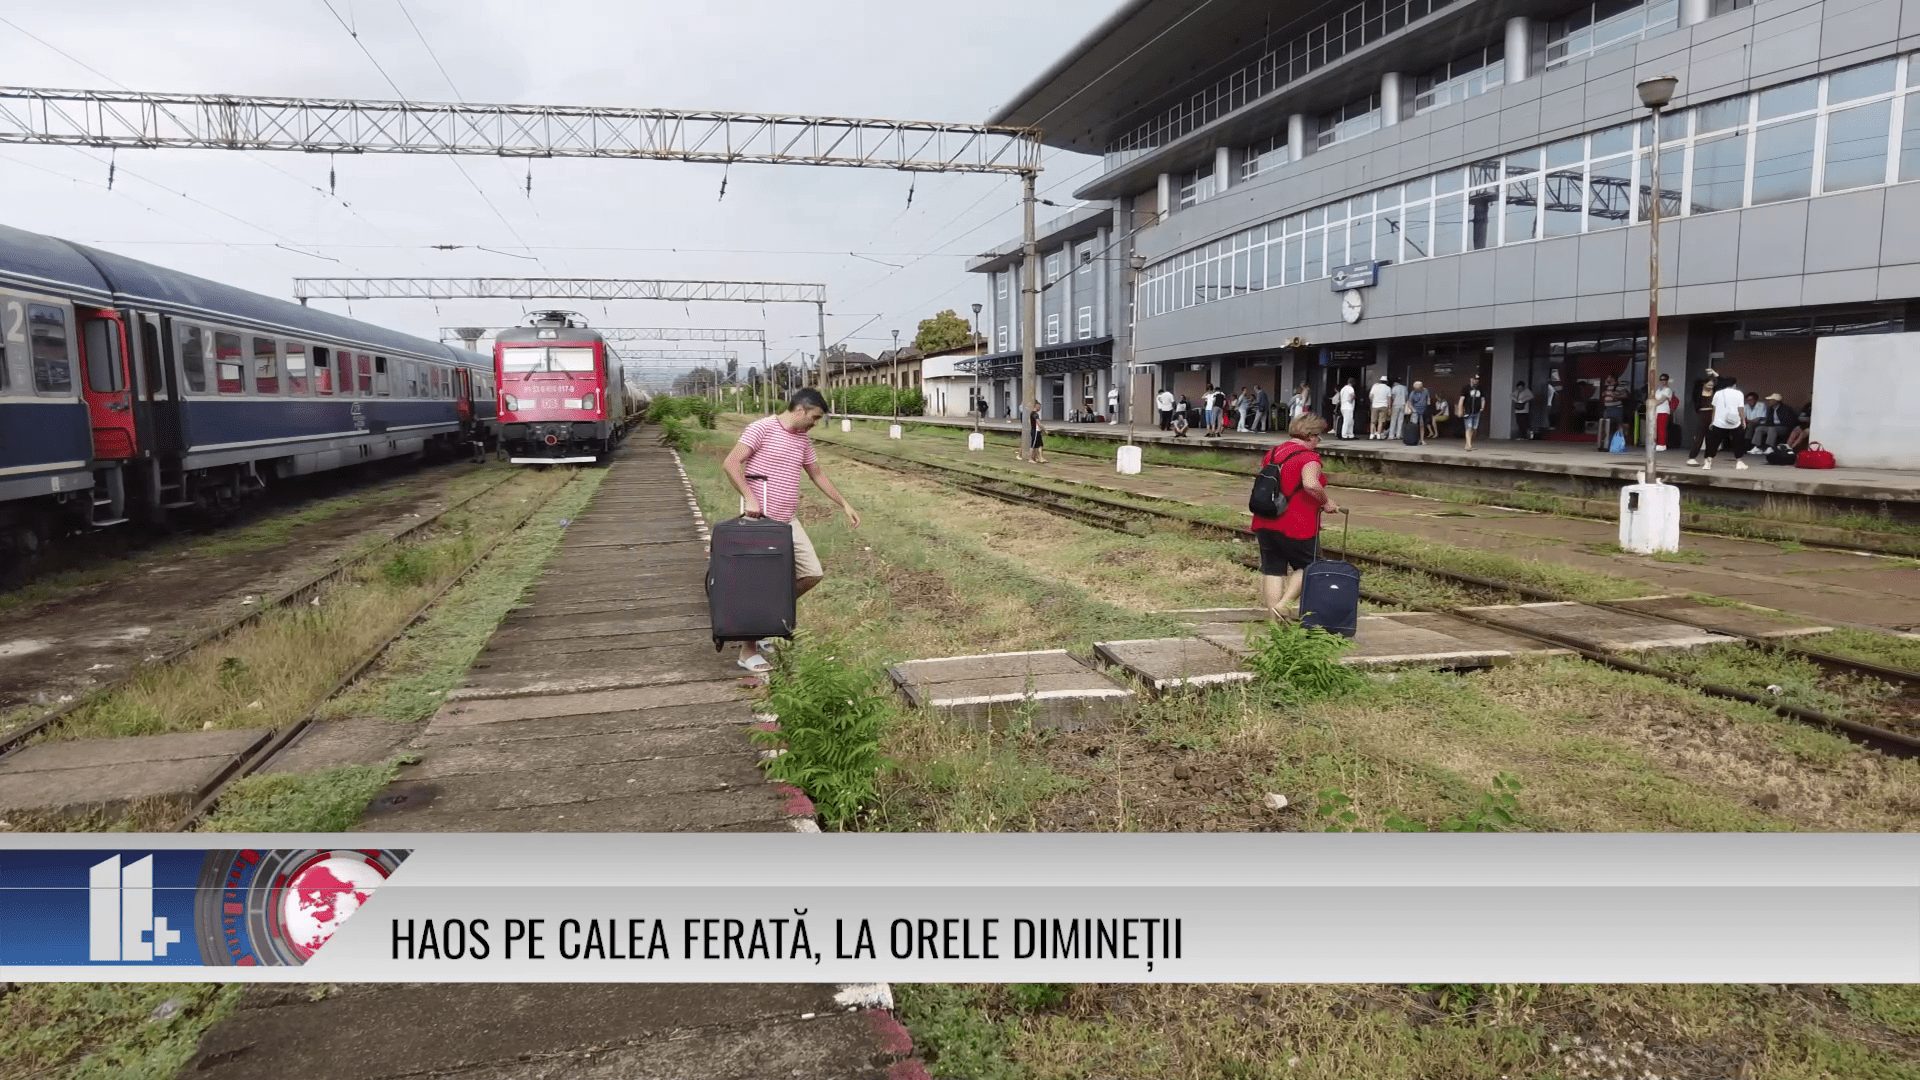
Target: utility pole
{"x":893,"y":377}
{"x":1030,"y":308}
{"x":820,"y":312}
{"x":974,"y":406}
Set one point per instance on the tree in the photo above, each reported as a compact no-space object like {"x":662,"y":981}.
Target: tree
{"x":946,"y":330}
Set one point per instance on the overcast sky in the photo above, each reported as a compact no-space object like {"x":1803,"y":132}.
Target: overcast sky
{"x":220,"y":213}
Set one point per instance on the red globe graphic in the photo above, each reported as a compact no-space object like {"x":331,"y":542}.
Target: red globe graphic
{"x":321,"y":896}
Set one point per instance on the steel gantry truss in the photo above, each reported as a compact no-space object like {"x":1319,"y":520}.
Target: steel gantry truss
{"x":554,"y":288}
{"x":127,"y":119}
{"x":135,"y":120}
{"x":625,"y":333}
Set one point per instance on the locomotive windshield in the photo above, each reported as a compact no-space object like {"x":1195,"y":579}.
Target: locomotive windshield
{"x":523,"y":359}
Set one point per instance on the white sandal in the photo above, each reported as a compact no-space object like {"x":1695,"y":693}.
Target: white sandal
{"x":755,"y":663}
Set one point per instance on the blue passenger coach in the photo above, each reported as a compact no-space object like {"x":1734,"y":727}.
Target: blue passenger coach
{"x":128,"y":391}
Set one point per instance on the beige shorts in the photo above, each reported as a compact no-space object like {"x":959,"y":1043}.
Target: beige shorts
{"x":806,"y":563}
{"x":1382,"y":416}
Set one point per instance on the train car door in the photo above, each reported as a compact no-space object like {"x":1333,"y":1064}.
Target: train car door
{"x":107,"y":389}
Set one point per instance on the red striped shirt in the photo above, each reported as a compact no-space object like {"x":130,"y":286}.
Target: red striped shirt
{"x":779,"y":455}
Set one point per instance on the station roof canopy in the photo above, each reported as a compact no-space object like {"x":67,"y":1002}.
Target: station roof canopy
{"x":1131,"y":58}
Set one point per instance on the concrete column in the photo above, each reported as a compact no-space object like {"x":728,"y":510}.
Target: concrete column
{"x":1693,"y":11}
{"x":1519,"y":49}
{"x":1296,"y":136}
{"x":1166,"y":193}
{"x":1222,"y":168}
{"x":1498,"y":423}
{"x":1392,"y":98}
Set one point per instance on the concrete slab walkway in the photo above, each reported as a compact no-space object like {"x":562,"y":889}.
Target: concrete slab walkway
{"x":620,"y":718}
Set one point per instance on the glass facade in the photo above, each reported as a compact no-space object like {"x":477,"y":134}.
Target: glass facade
{"x":1592,"y":27}
{"x":1357,"y":117}
{"x":1461,"y":78}
{"x":1851,"y":129}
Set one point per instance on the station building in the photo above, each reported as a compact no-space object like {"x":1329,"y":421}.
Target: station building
{"x":1431,"y":189}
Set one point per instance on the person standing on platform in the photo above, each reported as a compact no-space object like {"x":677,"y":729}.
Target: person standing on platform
{"x":779,"y":449}
{"x":1262,"y":410}
{"x":1611,"y":412}
{"x":1290,"y":542}
{"x":1419,"y":404}
{"x":1206,"y":412}
{"x":1380,"y":408}
{"x":1473,"y":403}
{"x":1703,"y":408}
{"x":1243,"y":406}
{"x":1163,"y":401}
{"x":1031,"y":440}
{"x":1522,"y":410}
{"x":1346,"y":400}
{"x":1399,"y":407}
{"x":1662,"y":411}
{"x":1724,"y":429}
{"x":1113,"y":404}
{"x":1297,"y":407}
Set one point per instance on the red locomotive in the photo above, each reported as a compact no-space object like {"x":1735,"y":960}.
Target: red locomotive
{"x":562,"y":396}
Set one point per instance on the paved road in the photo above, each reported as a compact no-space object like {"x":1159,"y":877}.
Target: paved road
{"x":600,"y":705}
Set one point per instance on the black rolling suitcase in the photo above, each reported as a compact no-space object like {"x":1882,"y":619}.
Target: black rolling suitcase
{"x":750,"y":579}
{"x":1410,"y":431}
{"x":1330,"y":594}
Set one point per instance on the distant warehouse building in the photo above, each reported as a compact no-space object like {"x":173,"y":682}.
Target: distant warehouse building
{"x":1430,"y":190}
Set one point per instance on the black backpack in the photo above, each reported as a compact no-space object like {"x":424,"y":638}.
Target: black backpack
{"x":1267,"y":500}
{"x":1783,"y":455}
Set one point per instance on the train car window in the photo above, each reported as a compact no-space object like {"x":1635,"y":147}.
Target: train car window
{"x":297,"y":378}
{"x":364,"y":387}
{"x":323,"y":380}
{"x":382,"y":384}
{"x":266,"y":365}
{"x":415,"y":369}
{"x":52,"y":367}
{"x":153,"y":363}
{"x":229,"y":373}
{"x":6,"y":378}
{"x":193,"y":358}
{"x":104,"y":373}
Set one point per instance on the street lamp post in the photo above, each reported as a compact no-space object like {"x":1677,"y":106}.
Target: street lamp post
{"x":974,"y":405}
{"x":1655,"y":93}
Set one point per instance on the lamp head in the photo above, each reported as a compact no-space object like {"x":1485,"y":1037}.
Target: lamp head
{"x":976,"y":309}
{"x":1656,"y":92}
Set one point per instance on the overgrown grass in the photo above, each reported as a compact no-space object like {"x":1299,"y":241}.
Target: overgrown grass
{"x":417,"y":671}
{"x":1871,"y":646}
{"x":1780,"y":675}
{"x":830,"y":717}
{"x":276,"y":669}
{"x":326,"y":800}
{"x":106,"y":1031}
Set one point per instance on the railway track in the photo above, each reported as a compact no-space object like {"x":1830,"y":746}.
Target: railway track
{"x":283,"y":737}
{"x":18,"y":737}
{"x":1118,"y":515}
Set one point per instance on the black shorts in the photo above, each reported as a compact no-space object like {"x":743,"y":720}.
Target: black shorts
{"x":1281,"y":554}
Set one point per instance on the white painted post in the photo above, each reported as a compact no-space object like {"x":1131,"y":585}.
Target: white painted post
{"x":1127,"y":461}
{"x":976,"y":441}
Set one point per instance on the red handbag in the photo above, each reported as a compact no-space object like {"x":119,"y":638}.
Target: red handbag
{"x":1814,"y":458}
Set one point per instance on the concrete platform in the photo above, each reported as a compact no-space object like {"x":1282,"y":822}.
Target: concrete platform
{"x":331,"y":743}
{"x":1604,"y":628}
{"x":1385,"y":639}
{"x":1050,"y":688}
{"x":1165,"y":664}
{"x":110,"y":777}
{"x":1732,"y":620}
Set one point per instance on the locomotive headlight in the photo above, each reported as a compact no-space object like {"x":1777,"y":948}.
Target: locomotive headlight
{"x":587,"y":402}
{"x":513,"y":403}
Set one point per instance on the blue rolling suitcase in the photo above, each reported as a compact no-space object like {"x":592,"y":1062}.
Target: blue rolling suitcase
{"x":1330,"y":593}
{"x":750,"y":579}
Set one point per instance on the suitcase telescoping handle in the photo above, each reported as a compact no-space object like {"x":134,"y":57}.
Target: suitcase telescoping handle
{"x":763,"y":496}
{"x":1346,"y":530}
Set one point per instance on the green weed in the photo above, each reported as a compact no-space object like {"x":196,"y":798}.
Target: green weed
{"x":1299,"y":665}
{"x":955,"y":1033}
{"x":329,"y":800}
{"x":106,"y":1031}
{"x":830,"y":720}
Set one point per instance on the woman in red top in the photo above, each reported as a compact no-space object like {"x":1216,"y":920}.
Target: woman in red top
{"x":1289,"y":542}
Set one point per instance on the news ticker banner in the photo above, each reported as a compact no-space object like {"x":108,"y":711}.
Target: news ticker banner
{"x":1631,"y":908}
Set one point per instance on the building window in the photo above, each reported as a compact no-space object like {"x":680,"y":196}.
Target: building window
{"x":1851,"y":129}
{"x":1264,"y":156}
{"x":1000,"y":340}
{"x":1724,"y":7}
{"x":1461,"y":78}
{"x":1590,"y":28}
{"x":1349,"y":121}
{"x":1000,"y":283}
{"x":1196,"y":187}
{"x":1083,"y":326}
{"x":1053,"y":267}
{"x":1053,"y":329}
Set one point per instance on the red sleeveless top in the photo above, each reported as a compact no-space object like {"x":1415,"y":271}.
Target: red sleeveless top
{"x":1301,"y":519}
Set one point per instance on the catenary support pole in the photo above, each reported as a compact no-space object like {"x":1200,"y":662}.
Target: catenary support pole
{"x":1651,"y":434}
{"x":1029,"y":305}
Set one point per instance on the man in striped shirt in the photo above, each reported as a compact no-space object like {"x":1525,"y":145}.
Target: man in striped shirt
{"x":779,"y":449}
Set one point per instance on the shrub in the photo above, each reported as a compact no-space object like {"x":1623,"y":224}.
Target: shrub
{"x":1300,"y":665}
{"x":876,"y":401}
{"x":830,"y":718}
{"x":673,"y":433}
